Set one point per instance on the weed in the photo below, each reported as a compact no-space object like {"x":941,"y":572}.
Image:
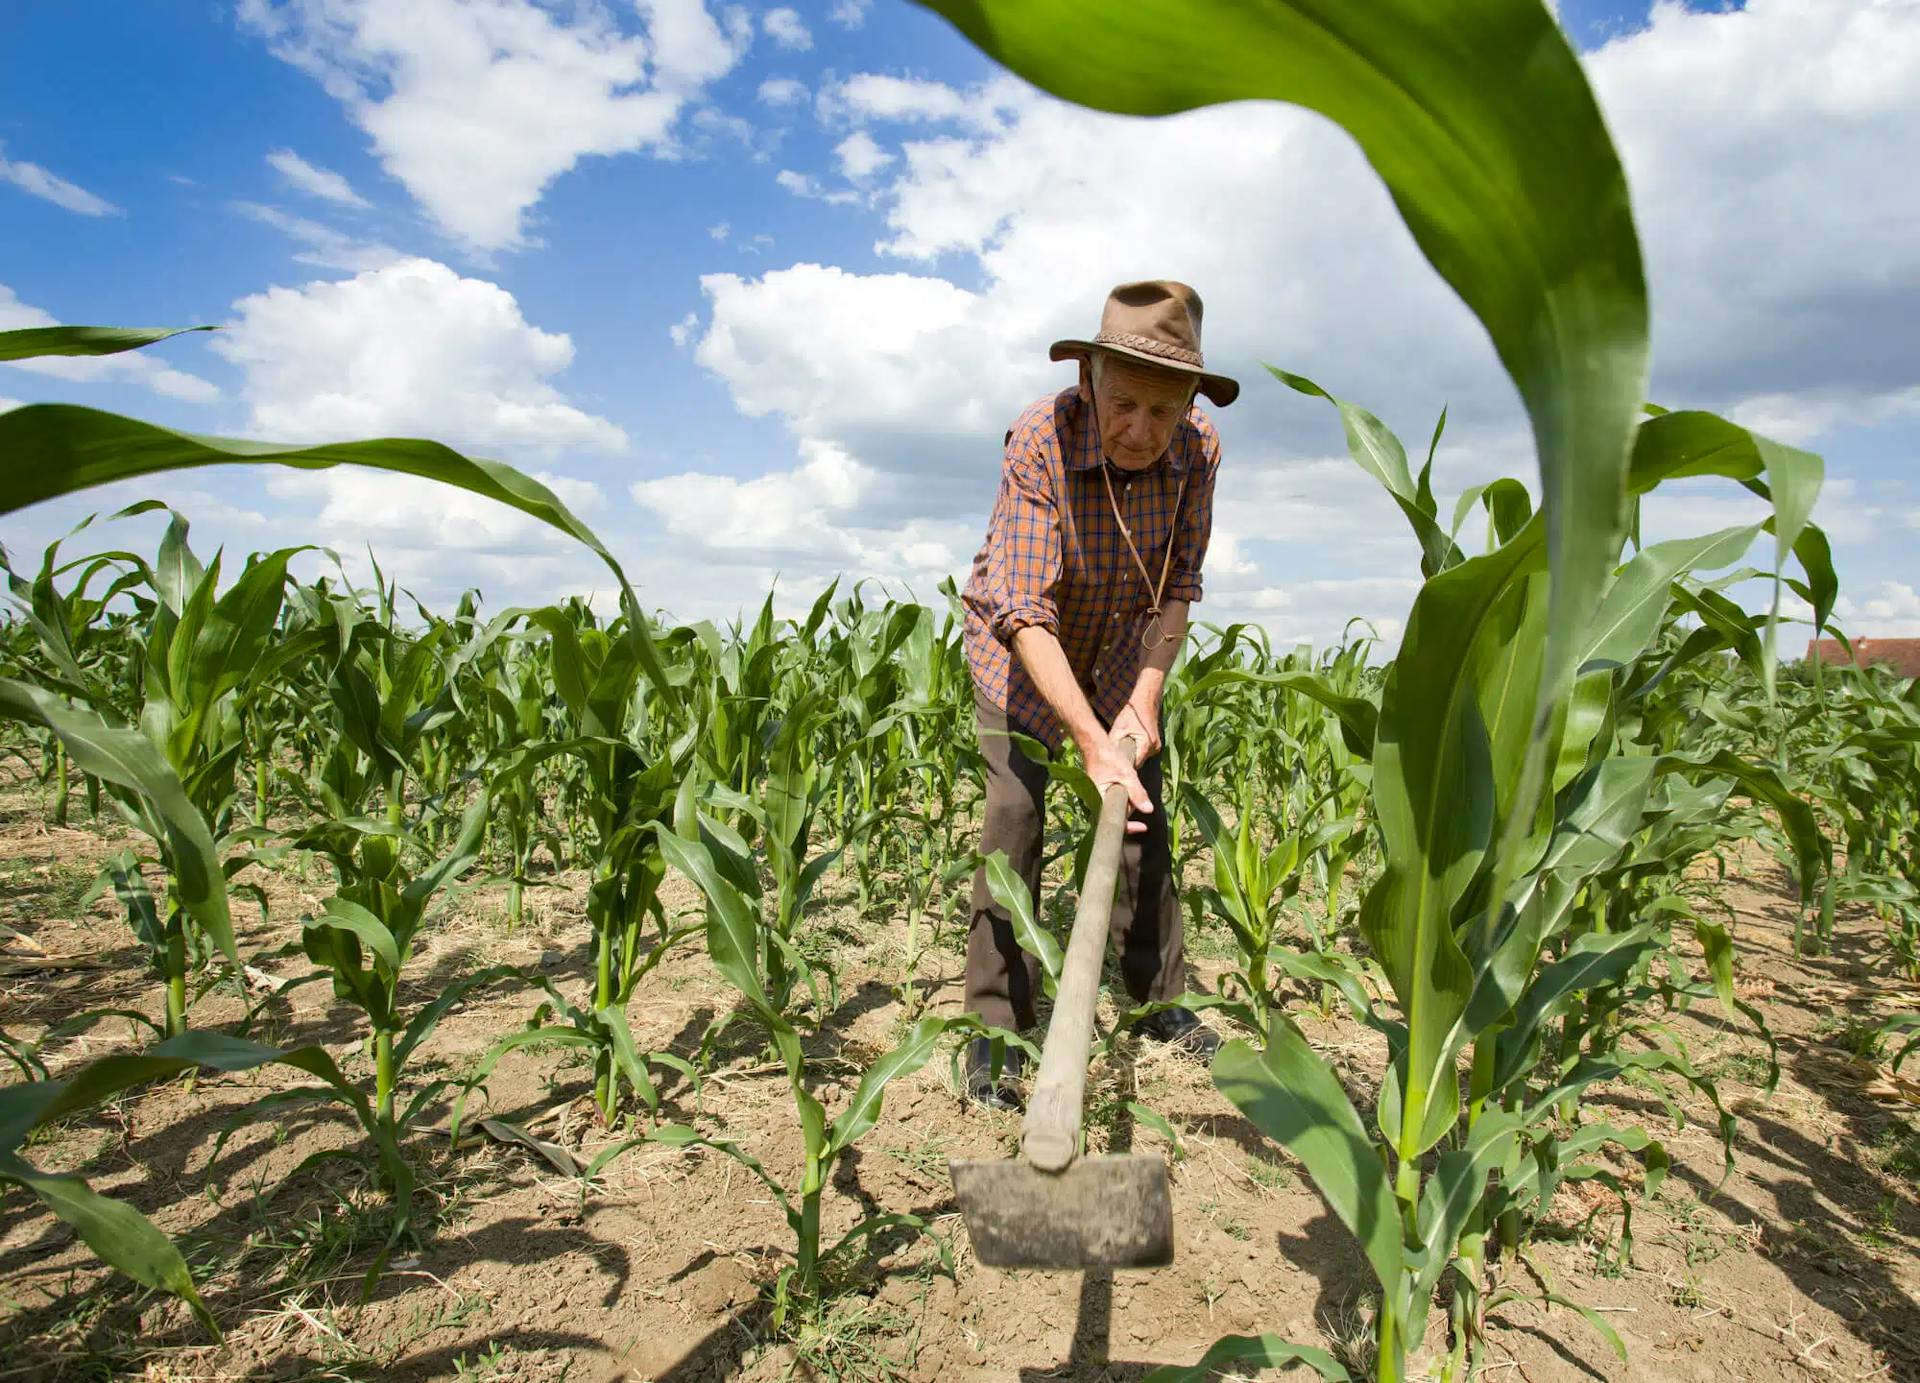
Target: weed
{"x":1269,"y":1176}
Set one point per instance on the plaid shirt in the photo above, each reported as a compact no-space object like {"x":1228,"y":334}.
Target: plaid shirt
{"x":1067,"y":568}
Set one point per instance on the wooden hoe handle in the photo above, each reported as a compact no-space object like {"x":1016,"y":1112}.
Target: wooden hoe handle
{"x":1050,"y":1136}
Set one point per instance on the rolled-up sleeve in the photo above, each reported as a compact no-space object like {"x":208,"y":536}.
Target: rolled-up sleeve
{"x":1023,"y":544}
{"x":1196,"y":514}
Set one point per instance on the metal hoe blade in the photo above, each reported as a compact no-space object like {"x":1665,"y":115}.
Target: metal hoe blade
{"x":1100,"y":1212}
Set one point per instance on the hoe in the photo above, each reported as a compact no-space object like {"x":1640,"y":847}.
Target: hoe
{"x":1051,"y":1207}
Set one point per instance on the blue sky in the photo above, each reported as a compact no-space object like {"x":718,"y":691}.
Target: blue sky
{"x":758,"y":288}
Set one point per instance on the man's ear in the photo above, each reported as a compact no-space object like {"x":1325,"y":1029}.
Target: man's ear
{"x":1086,"y":381}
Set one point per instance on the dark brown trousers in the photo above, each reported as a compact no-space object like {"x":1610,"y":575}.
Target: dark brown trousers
{"x":1003,"y":981}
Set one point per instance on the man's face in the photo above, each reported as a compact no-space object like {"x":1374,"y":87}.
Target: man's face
{"x":1138,"y":408}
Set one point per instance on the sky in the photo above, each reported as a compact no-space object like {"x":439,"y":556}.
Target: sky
{"x":757,"y":290}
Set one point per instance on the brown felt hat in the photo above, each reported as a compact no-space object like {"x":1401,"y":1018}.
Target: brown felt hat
{"x":1156,"y":321}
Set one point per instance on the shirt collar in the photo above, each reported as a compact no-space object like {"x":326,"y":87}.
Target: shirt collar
{"x":1085,"y":453}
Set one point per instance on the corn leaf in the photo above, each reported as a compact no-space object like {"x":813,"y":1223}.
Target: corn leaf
{"x":28,"y":342}
{"x":128,"y":758}
{"x":1293,"y":1097}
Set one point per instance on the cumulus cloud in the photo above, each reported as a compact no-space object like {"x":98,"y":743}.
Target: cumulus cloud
{"x":1757,"y":143}
{"x":323,"y":183}
{"x":477,"y":107}
{"x":1892,"y":611}
{"x":782,"y":91}
{"x":36,"y":181}
{"x":150,"y":371}
{"x":409,"y":349}
{"x":860,"y":156}
{"x":785,"y":27}
{"x":850,"y":14}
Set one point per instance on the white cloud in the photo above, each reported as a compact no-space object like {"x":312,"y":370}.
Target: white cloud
{"x":850,"y":14}
{"x":138,"y":366}
{"x":812,"y":518}
{"x":476,"y":107}
{"x":325,"y":247}
{"x":7,"y":404}
{"x":1800,"y":418}
{"x":806,"y":185}
{"x":411,"y":349}
{"x":782,"y":91}
{"x":860,"y":157}
{"x":719,"y":231}
{"x":881,"y":96}
{"x":1758,"y":143}
{"x":323,"y":183}
{"x":1892,"y":612}
{"x":36,"y":181}
{"x":785,"y":27}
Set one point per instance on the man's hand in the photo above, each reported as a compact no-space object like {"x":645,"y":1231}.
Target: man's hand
{"x":1143,"y":723}
{"x":1108,"y":763}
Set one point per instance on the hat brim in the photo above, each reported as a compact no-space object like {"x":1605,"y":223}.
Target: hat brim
{"x":1218,"y":388}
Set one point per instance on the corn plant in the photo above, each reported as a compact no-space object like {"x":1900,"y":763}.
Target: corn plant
{"x":363,"y":937}
{"x":198,"y":657}
{"x":733,"y":927}
{"x":600,"y":676}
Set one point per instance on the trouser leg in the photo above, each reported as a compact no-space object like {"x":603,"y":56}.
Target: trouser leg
{"x":1003,"y":981}
{"x":1147,"y":927}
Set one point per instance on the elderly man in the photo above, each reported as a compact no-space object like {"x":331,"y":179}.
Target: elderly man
{"x":1076,"y":608}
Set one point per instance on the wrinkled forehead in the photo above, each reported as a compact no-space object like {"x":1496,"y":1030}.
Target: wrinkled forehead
{"x":1144,"y":383}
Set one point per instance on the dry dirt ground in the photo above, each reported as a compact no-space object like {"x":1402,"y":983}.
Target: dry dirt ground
{"x":1801,"y":1264}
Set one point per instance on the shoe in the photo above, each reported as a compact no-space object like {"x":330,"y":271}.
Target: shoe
{"x":1183,"y":1032}
{"x":981,"y":1087}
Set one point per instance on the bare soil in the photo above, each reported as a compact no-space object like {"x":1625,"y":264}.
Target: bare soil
{"x":1801,"y":1263}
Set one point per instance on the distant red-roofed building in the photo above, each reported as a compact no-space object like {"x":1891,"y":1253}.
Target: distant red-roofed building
{"x":1899,"y":656}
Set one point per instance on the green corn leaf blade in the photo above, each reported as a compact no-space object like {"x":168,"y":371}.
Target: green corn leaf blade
{"x":1148,"y":1117}
{"x":1233,"y":1353}
{"x":1630,"y":614}
{"x":733,"y":924}
{"x":1693,"y":443}
{"x":1601,"y":813}
{"x":1717,"y":946}
{"x":428,"y":1018}
{"x":1009,"y":890}
{"x":1448,"y":1199}
{"x":461,"y":857}
{"x":177,"y":573}
{"x":680,"y":1136}
{"x":1592,"y":1318}
{"x":1594,"y":959}
{"x":626,"y":1053}
{"x":1293,"y":1097}
{"x":1434,"y":795}
{"x":1379,"y":453}
{"x":1359,"y":718}
{"x":908,"y":1055}
{"x":120,"y":1236}
{"x":125,"y":757}
{"x":345,"y":915}
{"x":28,"y":342}
{"x":1764,"y":784}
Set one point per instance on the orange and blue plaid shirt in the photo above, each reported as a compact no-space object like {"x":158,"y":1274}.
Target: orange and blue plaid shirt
{"x":1054,"y":557}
